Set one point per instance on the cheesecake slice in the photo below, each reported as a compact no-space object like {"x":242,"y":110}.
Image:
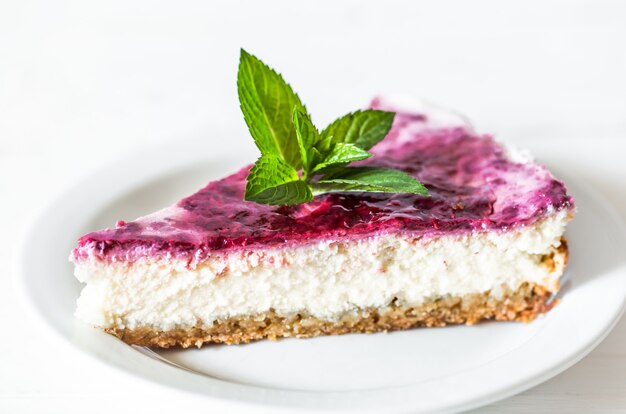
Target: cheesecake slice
{"x":486,"y":244}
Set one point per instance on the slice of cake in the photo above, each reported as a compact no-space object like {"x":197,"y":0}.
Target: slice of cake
{"x":486,"y":244}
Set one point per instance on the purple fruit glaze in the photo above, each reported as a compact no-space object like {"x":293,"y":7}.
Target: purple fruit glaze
{"x":473,"y":185}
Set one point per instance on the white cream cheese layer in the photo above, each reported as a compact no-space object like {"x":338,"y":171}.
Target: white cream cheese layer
{"x":324,"y":279}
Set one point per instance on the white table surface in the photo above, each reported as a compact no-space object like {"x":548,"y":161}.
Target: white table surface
{"x":84,"y":83}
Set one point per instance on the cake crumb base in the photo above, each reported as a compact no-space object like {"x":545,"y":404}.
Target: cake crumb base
{"x":522,"y":305}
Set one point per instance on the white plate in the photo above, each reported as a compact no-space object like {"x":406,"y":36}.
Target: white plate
{"x":423,"y":370}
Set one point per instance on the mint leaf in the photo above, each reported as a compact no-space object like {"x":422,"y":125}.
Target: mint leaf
{"x":272,"y":181}
{"x":340,"y":155}
{"x":307,"y":138}
{"x":362,"y":128}
{"x":294,"y":154}
{"x":376,"y":179}
{"x":267,"y":102}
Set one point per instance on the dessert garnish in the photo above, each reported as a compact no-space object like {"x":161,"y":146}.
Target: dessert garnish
{"x":297,"y":161}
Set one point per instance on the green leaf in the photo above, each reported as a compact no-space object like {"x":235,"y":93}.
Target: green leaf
{"x":362,"y":128}
{"x":272,"y":181}
{"x":316,"y":157}
{"x":324,"y":145}
{"x":307,"y":138}
{"x":340,"y":155}
{"x":267,"y":103}
{"x":289,"y":142}
{"x":375,"y":179}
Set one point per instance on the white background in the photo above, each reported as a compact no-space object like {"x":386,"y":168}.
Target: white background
{"x":84,"y":83}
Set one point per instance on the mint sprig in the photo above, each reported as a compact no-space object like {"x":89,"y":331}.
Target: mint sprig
{"x":298,"y":161}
